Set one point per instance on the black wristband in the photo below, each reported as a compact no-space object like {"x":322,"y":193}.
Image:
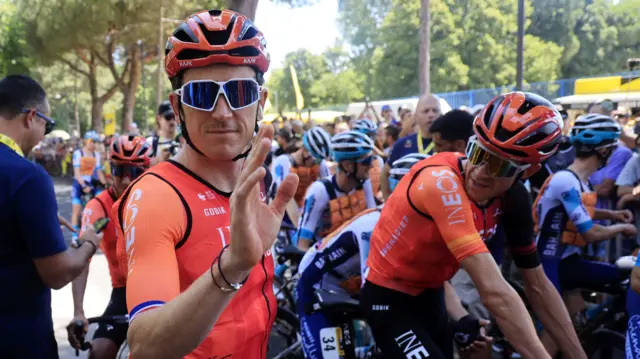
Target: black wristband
{"x":226,"y":290}
{"x":95,"y":248}
{"x":234,"y":286}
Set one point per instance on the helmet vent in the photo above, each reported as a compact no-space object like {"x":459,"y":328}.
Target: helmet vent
{"x":215,"y":12}
{"x":185,"y":34}
{"x":190,"y":54}
{"x":244,"y":51}
{"x":248,"y":31}
{"x":218,"y":38}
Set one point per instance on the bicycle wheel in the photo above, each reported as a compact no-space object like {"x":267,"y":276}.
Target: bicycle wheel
{"x":606,"y":344}
{"x":284,"y":341}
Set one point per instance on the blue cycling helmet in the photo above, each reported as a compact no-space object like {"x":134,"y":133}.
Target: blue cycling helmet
{"x":401,"y":167}
{"x":318,"y":142}
{"x":92,"y":135}
{"x":350,"y":145}
{"x":365,"y":126}
{"x":594,"y":131}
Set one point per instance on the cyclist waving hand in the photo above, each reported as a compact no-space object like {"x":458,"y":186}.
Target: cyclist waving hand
{"x":195,"y":226}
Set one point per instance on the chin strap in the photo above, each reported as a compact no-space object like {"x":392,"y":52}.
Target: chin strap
{"x":242,"y":155}
{"x":187,"y":139}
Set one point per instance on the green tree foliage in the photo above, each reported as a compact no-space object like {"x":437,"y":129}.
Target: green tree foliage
{"x":14,"y":52}
{"x":325,"y":79}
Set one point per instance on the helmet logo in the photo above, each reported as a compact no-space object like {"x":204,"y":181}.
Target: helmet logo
{"x":250,"y":61}
{"x":185,"y":63}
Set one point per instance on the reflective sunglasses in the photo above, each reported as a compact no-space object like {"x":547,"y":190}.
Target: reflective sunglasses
{"x":50,"y":123}
{"x":132,"y":172}
{"x":496,"y":166}
{"x":204,"y":94}
{"x":366,"y":160}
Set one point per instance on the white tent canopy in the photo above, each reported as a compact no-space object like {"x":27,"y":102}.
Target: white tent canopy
{"x":576,"y":102}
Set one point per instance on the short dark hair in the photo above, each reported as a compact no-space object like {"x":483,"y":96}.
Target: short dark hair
{"x":392,"y":131}
{"x":18,"y":92}
{"x":453,"y":125}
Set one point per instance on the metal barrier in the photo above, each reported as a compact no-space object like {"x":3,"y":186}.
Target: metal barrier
{"x":549,"y":90}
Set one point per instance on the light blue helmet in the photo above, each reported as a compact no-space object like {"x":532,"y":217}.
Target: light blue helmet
{"x":92,"y":135}
{"x":365,"y":126}
{"x":594,"y":131}
{"x":401,"y":167}
{"x":318,"y":142}
{"x":350,"y":145}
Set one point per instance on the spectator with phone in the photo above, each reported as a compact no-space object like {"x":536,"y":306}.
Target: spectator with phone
{"x":163,"y":141}
{"x":34,"y":256}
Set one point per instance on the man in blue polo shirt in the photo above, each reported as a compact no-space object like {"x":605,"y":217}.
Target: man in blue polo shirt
{"x":427,"y":110}
{"x":33,"y":254}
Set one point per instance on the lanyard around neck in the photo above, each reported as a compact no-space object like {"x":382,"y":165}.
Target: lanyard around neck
{"x":11,"y":144}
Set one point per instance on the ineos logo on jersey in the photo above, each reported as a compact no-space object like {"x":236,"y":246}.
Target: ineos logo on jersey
{"x":129,"y":228}
{"x":451,"y":199}
{"x":214,"y":211}
{"x":411,"y":346}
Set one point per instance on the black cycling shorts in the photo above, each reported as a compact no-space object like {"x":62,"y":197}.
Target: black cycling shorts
{"x":405,"y":326}
{"x":117,"y":306}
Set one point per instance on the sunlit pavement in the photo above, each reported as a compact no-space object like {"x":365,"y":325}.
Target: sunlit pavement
{"x":98,"y":286}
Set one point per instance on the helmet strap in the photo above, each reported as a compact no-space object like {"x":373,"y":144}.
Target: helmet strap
{"x":187,"y":138}
{"x":255,"y":133}
{"x":185,"y":133}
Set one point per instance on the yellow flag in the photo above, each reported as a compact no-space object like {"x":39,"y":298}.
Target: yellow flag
{"x":296,"y":88}
{"x":109,"y":122}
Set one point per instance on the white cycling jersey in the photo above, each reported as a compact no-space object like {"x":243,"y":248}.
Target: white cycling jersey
{"x":561,"y":202}
{"x":340,"y":256}
{"x":281,"y":167}
{"x":316,"y":202}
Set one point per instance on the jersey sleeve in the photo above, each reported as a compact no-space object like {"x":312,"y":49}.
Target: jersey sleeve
{"x":566,"y":188}
{"x":439,"y":193}
{"x":517,"y":221}
{"x":98,"y":162}
{"x":315,"y":201}
{"x":628,"y":176}
{"x":369,"y":196}
{"x":91,"y":213}
{"x":324,"y":169}
{"x":35,"y":210}
{"x":76,"y":158}
{"x":363,"y":235}
{"x":152,"y":221}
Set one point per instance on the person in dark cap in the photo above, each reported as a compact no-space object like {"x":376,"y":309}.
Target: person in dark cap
{"x":162,"y":142}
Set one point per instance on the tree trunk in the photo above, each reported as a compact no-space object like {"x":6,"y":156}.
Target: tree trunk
{"x":425,"y":48}
{"x":130,"y":90}
{"x":245,"y":7}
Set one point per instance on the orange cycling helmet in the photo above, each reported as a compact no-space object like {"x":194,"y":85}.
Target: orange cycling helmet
{"x":519,"y":126}
{"x":216,"y":37}
{"x":130,"y":150}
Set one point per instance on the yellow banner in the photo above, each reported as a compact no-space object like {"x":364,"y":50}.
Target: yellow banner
{"x":296,"y":88}
{"x":610,"y":84}
{"x":109,"y":122}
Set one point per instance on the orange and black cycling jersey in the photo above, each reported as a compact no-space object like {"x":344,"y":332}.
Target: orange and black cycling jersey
{"x":429,"y":225}
{"x":97,"y":208}
{"x":172,"y":224}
